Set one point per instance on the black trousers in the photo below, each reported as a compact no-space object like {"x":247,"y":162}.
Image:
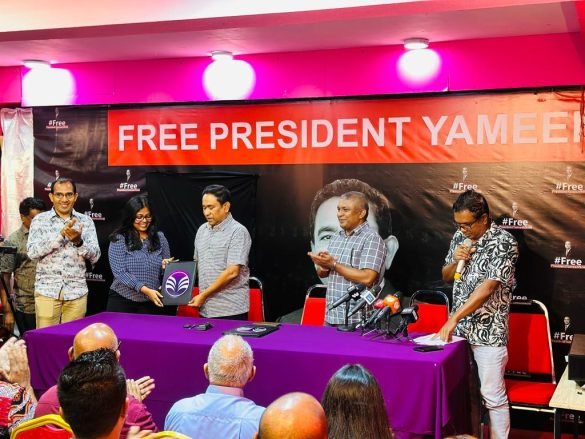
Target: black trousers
{"x":25,"y":321}
{"x":243,"y":316}
{"x":117,"y":303}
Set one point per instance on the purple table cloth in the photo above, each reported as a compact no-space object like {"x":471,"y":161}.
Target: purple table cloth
{"x":425,"y":392}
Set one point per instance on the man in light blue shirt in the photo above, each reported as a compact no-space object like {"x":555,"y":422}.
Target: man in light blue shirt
{"x":222,"y":411}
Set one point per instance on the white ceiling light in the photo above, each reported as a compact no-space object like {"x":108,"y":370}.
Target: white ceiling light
{"x":416,"y":43}
{"x":221,"y":55}
{"x":36,"y":64}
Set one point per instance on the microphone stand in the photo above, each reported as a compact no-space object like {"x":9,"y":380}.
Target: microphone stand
{"x":363,"y":320}
{"x":346,"y":327}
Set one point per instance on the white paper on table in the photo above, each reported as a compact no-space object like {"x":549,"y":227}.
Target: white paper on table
{"x":428,"y":340}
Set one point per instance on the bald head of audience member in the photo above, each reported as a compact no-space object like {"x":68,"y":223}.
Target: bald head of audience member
{"x":230,"y":362}
{"x":293,"y":416}
{"x":93,"y":337}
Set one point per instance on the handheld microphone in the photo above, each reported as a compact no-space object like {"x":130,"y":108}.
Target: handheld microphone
{"x":367,"y":297}
{"x":461,"y":264}
{"x":352,"y":293}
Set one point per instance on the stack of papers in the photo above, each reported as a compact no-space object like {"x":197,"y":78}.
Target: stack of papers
{"x":434,"y":340}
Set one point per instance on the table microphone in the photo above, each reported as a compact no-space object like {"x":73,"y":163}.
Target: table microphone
{"x":389,"y":305}
{"x":352,"y":293}
{"x":367,"y":297}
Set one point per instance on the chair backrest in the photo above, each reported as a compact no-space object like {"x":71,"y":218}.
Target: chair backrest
{"x":433,"y":310}
{"x":256,"y":312}
{"x":431,"y":318}
{"x":44,"y":427}
{"x":169,"y":434}
{"x":315,"y":303}
{"x":529,"y":343}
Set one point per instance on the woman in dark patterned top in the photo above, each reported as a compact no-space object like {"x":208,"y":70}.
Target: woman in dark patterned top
{"x":138,"y":253}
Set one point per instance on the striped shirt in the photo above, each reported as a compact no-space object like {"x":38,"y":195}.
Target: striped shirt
{"x":61,"y":264}
{"x":362,"y":248}
{"x":228,"y":243}
{"x":134,"y":269}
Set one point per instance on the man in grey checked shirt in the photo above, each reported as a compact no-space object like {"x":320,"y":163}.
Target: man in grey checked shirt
{"x":61,"y":240}
{"x":355,"y":255}
{"x":222,"y":246}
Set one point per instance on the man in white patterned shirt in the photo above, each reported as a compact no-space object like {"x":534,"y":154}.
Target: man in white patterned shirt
{"x":61,"y":240}
{"x":222,"y":246}
{"x":482,"y":293}
{"x":355,"y":255}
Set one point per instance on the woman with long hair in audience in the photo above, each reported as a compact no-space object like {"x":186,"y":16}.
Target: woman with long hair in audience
{"x":138,"y":254}
{"x":354,"y":405}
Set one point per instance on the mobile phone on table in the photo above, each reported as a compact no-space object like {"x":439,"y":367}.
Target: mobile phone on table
{"x":428,"y":348}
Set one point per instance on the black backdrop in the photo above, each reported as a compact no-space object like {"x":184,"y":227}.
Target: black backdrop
{"x":274,"y":201}
{"x":176,"y":200}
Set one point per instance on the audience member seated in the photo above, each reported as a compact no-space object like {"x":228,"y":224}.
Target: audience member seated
{"x":90,"y":338}
{"x":354,"y":405}
{"x":294,"y":416}
{"x":92,"y":394}
{"x":17,"y":399}
{"x":222,"y":411}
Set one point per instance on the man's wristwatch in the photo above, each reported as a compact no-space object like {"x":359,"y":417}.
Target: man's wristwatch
{"x":79,"y":244}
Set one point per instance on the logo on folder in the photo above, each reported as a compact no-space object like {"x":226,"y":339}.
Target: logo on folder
{"x":177,"y":283}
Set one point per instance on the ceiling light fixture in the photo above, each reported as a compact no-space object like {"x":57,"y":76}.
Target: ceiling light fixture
{"x":36,"y":64}
{"x":221,"y":55}
{"x":416,"y":43}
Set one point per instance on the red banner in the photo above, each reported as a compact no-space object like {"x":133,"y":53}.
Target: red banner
{"x":488,"y":128}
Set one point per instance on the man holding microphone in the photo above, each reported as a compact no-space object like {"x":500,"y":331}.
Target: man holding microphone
{"x":481,"y":262}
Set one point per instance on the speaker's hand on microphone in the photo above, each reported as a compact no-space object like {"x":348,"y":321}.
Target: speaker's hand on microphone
{"x":463,"y":253}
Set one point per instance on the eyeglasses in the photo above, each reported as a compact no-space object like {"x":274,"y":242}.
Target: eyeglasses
{"x":465,"y":226}
{"x":140,"y":218}
{"x":61,"y":195}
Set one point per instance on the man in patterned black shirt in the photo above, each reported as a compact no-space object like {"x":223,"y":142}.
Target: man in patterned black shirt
{"x":481,"y":299}
{"x":355,"y":255}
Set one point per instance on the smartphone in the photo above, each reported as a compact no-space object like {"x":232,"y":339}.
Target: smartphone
{"x":203,"y":326}
{"x":428,"y":348}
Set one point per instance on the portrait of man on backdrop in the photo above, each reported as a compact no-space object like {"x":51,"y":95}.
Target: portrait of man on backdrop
{"x":323,"y":217}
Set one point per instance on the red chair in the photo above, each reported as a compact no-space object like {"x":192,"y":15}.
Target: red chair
{"x":189,"y":311}
{"x":530,"y":373}
{"x":44,"y":427}
{"x":433,"y":310}
{"x":315,"y":304}
{"x":255,"y":314}
{"x":530,"y":377}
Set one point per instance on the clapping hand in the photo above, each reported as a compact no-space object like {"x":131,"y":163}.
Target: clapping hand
{"x":70,"y":232}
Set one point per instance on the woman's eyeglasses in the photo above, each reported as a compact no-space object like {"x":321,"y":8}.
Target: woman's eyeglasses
{"x":140,"y":218}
